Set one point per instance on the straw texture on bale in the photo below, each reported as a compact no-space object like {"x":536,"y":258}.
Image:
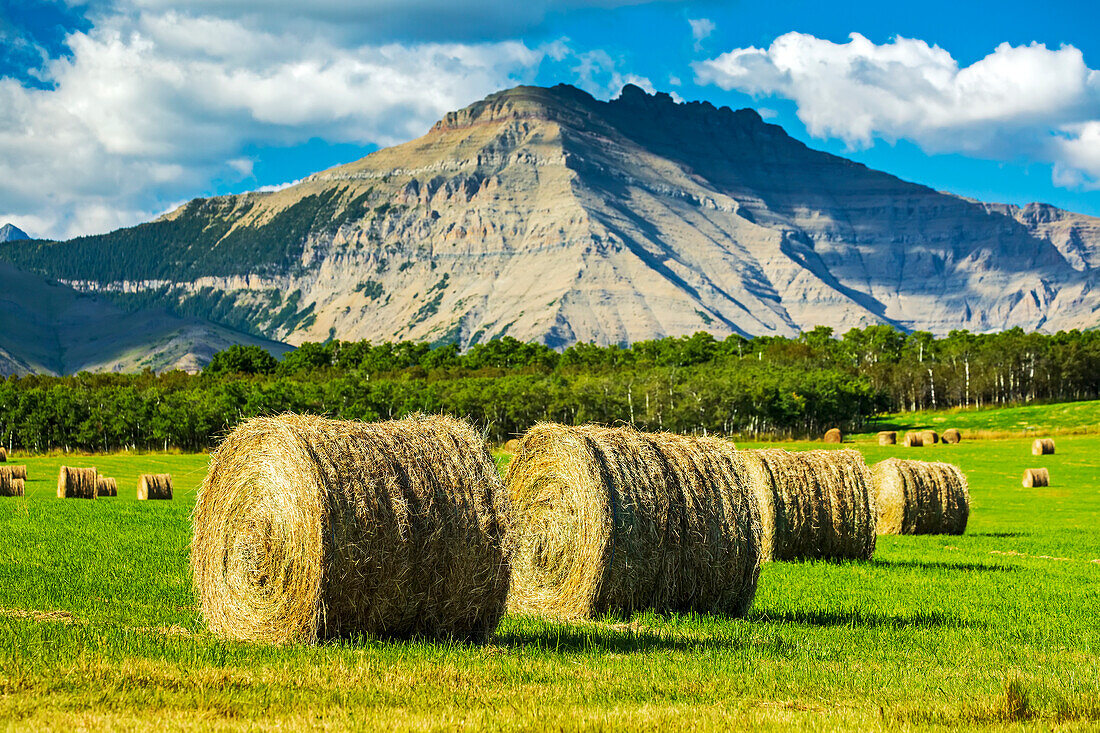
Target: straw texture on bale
{"x":106,"y":486}
{"x":19,"y":472}
{"x":1036,"y":477}
{"x":9,"y":485}
{"x":832,"y":435}
{"x":818,"y":503}
{"x":3,"y":454}
{"x":154,"y":486}
{"x":308,"y":529}
{"x":76,"y":483}
{"x":920,"y":497}
{"x":929,"y":437}
{"x":1042,"y":447}
{"x":887,"y":437}
{"x":511,"y":446}
{"x":612,"y":520}
{"x":913,"y":440}
{"x":951,"y":435}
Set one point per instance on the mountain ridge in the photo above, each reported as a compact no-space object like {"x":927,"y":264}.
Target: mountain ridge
{"x":548,"y":215}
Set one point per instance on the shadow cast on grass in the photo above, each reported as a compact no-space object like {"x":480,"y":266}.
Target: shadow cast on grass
{"x":968,"y":567}
{"x":605,"y":637}
{"x":856,"y":619}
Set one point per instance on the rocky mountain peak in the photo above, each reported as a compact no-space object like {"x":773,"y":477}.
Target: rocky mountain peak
{"x":11,"y":233}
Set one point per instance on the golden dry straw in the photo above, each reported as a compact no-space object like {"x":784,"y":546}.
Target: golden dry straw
{"x":76,"y":483}
{"x":1036,"y":477}
{"x":612,"y":520}
{"x":920,"y":497}
{"x":106,"y":486}
{"x":951,"y":435}
{"x":832,"y":435}
{"x":19,"y":472}
{"x":818,"y":503}
{"x":19,"y":487}
{"x":308,"y":529}
{"x":154,"y":486}
{"x":913,"y":440}
{"x":9,"y":485}
{"x":1042,"y":447}
{"x":929,"y":437}
{"x":3,"y":454}
{"x":887,"y":437}
{"x":511,"y":445}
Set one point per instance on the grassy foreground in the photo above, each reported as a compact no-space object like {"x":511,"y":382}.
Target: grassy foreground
{"x":999,"y":627}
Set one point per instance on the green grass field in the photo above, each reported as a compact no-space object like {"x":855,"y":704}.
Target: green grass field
{"x":999,"y":627}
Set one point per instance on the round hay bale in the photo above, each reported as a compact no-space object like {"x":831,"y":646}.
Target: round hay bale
{"x":929,"y":437}
{"x":76,"y":483}
{"x":1036,"y":477}
{"x":612,"y":520}
{"x":19,"y":487}
{"x":919,"y":497}
{"x":913,"y":440}
{"x":106,"y":486}
{"x":9,"y":486}
{"x":887,"y":437}
{"x":511,"y":446}
{"x":19,"y":472}
{"x":154,"y":486}
{"x":832,"y":435}
{"x":819,"y":503}
{"x":3,"y":454}
{"x":951,"y":435}
{"x":1042,"y":447}
{"x":309,"y":529}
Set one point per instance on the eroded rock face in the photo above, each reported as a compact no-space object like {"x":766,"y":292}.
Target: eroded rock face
{"x":547,"y":215}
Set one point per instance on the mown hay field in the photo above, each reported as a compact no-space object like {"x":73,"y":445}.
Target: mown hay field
{"x":1001,"y":625}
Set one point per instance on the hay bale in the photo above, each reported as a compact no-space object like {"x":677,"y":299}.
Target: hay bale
{"x":1036,"y":477}
{"x":154,"y":486}
{"x":308,"y":529}
{"x":929,"y":437}
{"x":887,"y":437}
{"x":511,"y":446}
{"x":76,"y":483}
{"x":1042,"y":447}
{"x":10,"y":486}
{"x":612,"y":520}
{"x":820,"y":502}
{"x":3,"y":454}
{"x":919,"y":497}
{"x":19,"y":487}
{"x":951,"y":435}
{"x":19,"y":472}
{"x":106,"y":486}
{"x":832,"y":435}
{"x":913,"y":440}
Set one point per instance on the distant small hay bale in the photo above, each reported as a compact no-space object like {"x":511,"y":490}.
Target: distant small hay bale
{"x":1042,"y":447}
{"x":920,"y":497}
{"x":309,"y":529}
{"x":9,"y":485}
{"x":1034,"y":477}
{"x":511,"y":446}
{"x":19,"y":472}
{"x":154,"y":486}
{"x":76,"y":483}
{"x":613,"y":520}
{"x":106,"y":486}
{"x":818,"y":504}
{"x":3,"y":454}
{"x":913,"y":440}
{"x":929,"y":437}
{"x":951,"y":435}
{"x":833,"y":435}
{"x":887,"y":437}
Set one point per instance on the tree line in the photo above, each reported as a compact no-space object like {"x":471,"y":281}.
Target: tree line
{"x":694,"y":384}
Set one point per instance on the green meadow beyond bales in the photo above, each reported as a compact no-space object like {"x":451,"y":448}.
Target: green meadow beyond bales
{"x":99,"y":626}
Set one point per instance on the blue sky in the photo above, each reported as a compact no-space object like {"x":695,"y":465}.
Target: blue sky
{"x":113,"y":111}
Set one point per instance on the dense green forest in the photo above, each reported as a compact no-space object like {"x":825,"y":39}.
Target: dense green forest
{"x":766,"y":385}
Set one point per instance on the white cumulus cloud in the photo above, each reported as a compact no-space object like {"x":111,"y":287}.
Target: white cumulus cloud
{"x":701,"y":28}
{"x":1030,"y":102}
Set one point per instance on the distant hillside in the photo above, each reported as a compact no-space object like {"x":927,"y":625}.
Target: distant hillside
{"x":46,"y":328}
{"x":549,"y":216}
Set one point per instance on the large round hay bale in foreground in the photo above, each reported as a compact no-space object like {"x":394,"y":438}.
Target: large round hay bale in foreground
{"x":1036,"y":477}
{"x":929,"y":437}
{"x":951,"y":435}
{"x":308,"y":529}
{"x":106,"y":486}
{"x":19,"y":472}
{"x":833,"y":435}
{"x":920,"y":497}
{"x":818,"y":504}
{"x":10,"y":486}
{"x":887,"y":437}
{"x":1042,"y":447}
{"x":612,"y":520}
{"x":154,"y":486}
{"x":913,"y":440}
{"x":76,"y":483}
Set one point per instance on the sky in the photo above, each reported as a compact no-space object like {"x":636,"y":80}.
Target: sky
{"x":115,"y":111}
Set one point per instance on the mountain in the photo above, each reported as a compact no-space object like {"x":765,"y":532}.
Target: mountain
{"x":47,"y":328}
{"x":11,"y":233}
{"x":548,"y":215}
